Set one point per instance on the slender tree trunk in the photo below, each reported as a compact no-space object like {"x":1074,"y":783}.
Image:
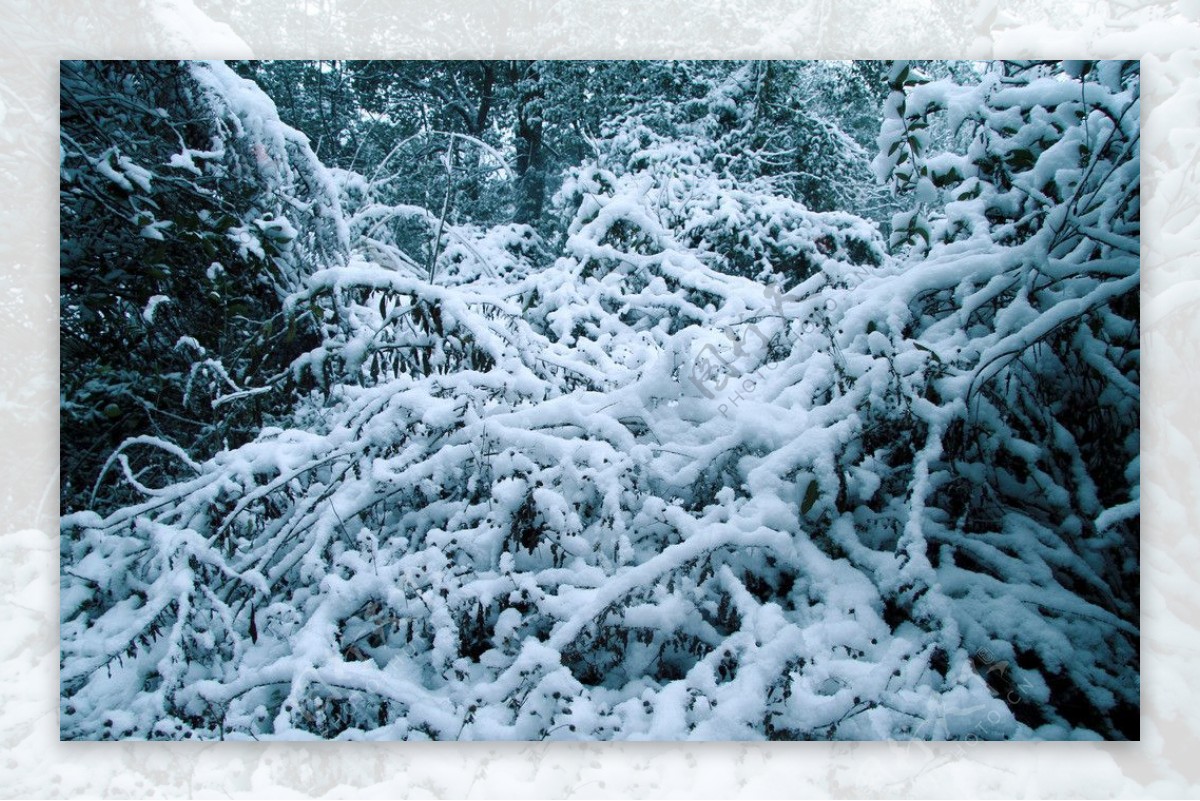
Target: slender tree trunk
{"x":530,"y":162}
{"x":486,"y":91}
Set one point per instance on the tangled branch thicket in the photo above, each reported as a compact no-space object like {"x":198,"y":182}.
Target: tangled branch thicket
{"x":702,"y":464}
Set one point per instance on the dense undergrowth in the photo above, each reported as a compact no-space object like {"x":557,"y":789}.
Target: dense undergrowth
{"x":693,"y":462}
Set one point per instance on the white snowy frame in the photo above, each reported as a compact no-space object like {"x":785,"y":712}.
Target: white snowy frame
{"x":37,"y":765}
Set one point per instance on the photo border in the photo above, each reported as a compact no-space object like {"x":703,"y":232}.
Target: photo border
{"x":1165,"y":36}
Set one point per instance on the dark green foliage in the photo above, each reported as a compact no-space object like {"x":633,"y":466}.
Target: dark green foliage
{"x":159,"y":199}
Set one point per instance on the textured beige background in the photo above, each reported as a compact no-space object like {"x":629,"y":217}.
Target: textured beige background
{"x":34,"y":35}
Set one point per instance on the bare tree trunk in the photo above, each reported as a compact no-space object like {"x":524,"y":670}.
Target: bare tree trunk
{"x":531,"y":160}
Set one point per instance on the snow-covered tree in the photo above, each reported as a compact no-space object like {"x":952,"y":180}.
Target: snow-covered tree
{"x":187,"y":212}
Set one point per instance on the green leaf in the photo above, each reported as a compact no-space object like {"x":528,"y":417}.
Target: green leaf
{"x":810,"y":497}
{"x":919,"y":346}
{"x":946,"y":178}
{"x":1021,"y":159}
{"x":970,"y":194}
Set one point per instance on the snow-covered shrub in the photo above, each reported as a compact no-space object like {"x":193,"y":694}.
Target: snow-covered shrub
{"x":723,"y":468}
{"x":1027,"y":301}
